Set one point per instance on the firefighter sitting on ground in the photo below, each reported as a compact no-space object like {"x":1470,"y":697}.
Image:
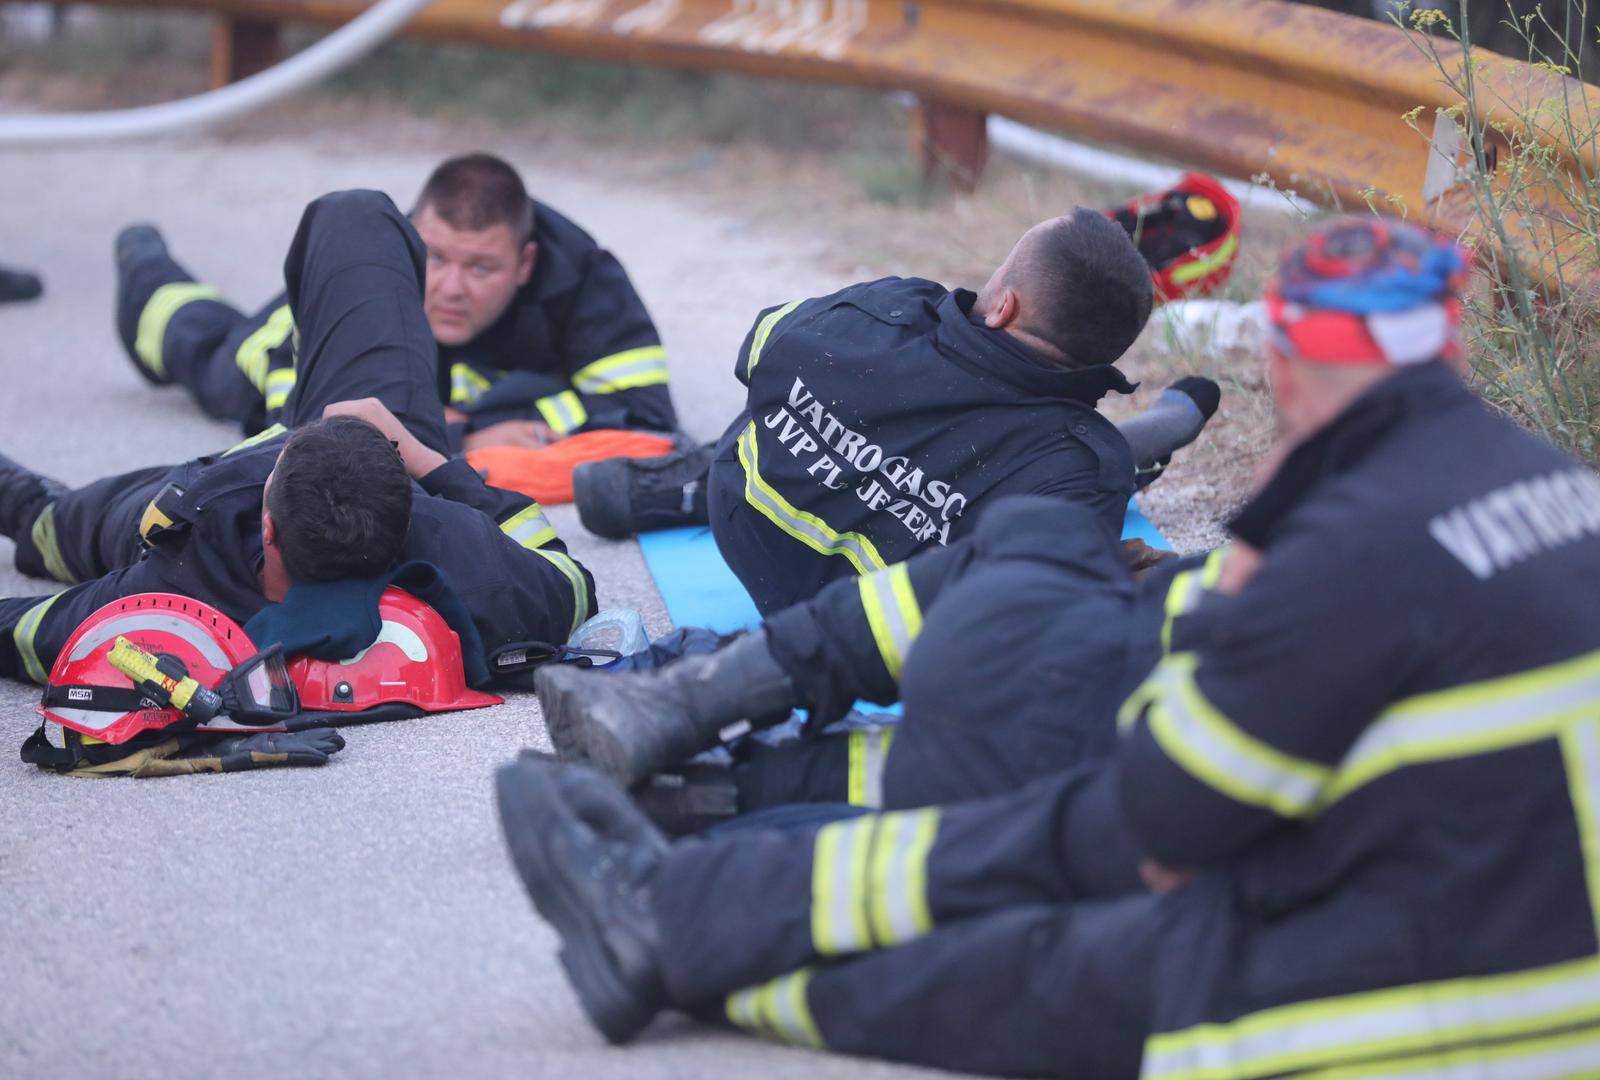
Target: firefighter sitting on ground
{"x":1005,"y":683}
{"x":540,"y":332}
{"x":881,"y":419}
{"x":331,"y":499}
{"x":1350,"y":827}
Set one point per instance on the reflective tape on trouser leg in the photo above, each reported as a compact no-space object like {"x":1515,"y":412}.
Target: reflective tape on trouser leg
{"x":48,"y":546}
{"x":777,"y":1009}
{"x":25,"y":634}
{"x":163,"y":304}
{"x":869,"y":752}
{"x":252,"y":356}
{"x":869,"y":881}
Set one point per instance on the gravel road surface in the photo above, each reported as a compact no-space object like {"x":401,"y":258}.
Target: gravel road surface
{"x":359,"y":920}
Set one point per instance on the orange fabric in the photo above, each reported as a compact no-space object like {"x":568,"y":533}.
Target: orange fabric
{"x":546,"y":474}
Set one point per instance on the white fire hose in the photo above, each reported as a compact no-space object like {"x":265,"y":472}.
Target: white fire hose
{"x":339,"y":49}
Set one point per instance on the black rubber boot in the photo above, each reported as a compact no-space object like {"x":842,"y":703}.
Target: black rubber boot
{"x":586,"y":855}
{"x":19,"y":285}
{"x":635,"y":724}
{"x":622,"y":497}
{"x":1174,"y":421}
{"x":135,"y":245}
{"x":23,"y":493}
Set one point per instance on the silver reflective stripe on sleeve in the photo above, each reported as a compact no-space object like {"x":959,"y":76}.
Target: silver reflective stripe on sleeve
{"x":627,"y":370}
{"x":893,"y":614}
{"x":529,"y":527}
{"x":564,"y":412}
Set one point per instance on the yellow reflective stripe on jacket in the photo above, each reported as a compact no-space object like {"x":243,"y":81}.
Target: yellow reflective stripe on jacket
{"x":44,"y":540}
{"x":251,"y":356}
{"x":1562,"y":1056}
{"x":259,"y":437}
{"x":467,"y":384}
{"x":777,"y":1009}
{"x":23,"y":636}
{"x":1182,"y":275}
{"x":279,"y":384}
{"x":1378,"y":1024}
{"x":529,"y":527}
{"x":574,"y":575}
{"x":893,"y":614}
{"x":1478,"y":718}
{"x":564,"y":412}
{"x":807,"y":528}
{"x":764,"y":331}
{"x":868,"y":754}
{"x":1185,"y":592}
{"x":1560,"y":701}
{"x":626,"y":370}
{"x":1219,"y":753}
{"x":869,"y":881}
{"x":149,"y":340}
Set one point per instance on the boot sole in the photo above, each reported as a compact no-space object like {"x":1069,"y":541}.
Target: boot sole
{"x":600,"y":491}
{"x":528,"y":804}
{"x":579,"y":736}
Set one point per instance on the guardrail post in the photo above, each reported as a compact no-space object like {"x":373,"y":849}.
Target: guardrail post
{"x":952,"y":142}
{"x":242,"y":46}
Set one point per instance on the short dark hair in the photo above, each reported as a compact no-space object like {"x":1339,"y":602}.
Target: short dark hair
{"x":1088,"y":286}
{"x":340,"y":501}
{"x":478,"y":191}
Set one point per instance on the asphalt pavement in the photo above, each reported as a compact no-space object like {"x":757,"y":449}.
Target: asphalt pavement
{"x":356,"y":920}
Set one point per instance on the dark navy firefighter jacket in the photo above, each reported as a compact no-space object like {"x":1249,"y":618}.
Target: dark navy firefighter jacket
{"x":1383,"y":753}
{"x":879,"y":419}
{"x":576,"y":348}
{"x":496,"y":548}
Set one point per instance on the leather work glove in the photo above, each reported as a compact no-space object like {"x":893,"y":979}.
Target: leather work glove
{"x":234,"y":753}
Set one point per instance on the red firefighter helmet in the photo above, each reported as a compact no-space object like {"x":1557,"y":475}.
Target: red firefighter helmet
{"x":415,"y":661}
{"x":90,"y":695}
{"x":1189,"y":234}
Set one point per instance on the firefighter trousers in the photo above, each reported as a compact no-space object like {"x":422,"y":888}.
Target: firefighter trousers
{"x":354,"y":274}
{"x":1007,"y":935}
{"x":183,"y":331}
{"x":354,"y":277}
{"x":1010,"y":652}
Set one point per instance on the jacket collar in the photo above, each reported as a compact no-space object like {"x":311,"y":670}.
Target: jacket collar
{"x":1343,"y":443}
{"x":997,"y":353}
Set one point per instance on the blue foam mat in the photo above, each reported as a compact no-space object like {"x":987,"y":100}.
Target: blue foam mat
{"x":700,"y":590}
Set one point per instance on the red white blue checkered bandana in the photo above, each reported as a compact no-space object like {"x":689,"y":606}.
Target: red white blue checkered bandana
{"x":1368,"y":291}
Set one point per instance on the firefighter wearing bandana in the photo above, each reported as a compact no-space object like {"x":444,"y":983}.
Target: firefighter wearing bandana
{"x":1350,"y":827}
{"x":540,"y":332}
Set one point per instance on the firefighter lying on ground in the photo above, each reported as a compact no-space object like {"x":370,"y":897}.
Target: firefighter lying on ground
{"x":1350,"y":827}
{"x":331,"y":499}
{"x":1004,"y":685}
{"x":540,"y":332}
{"x":881,"y":419}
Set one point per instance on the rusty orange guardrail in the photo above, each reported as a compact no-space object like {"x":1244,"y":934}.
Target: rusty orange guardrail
{"x":1314,"y":100}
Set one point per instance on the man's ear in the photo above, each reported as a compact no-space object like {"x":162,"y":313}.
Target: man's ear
{"x":269,"y":530}
{"x":530,"y":251}
{"x":1004,"y":311}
